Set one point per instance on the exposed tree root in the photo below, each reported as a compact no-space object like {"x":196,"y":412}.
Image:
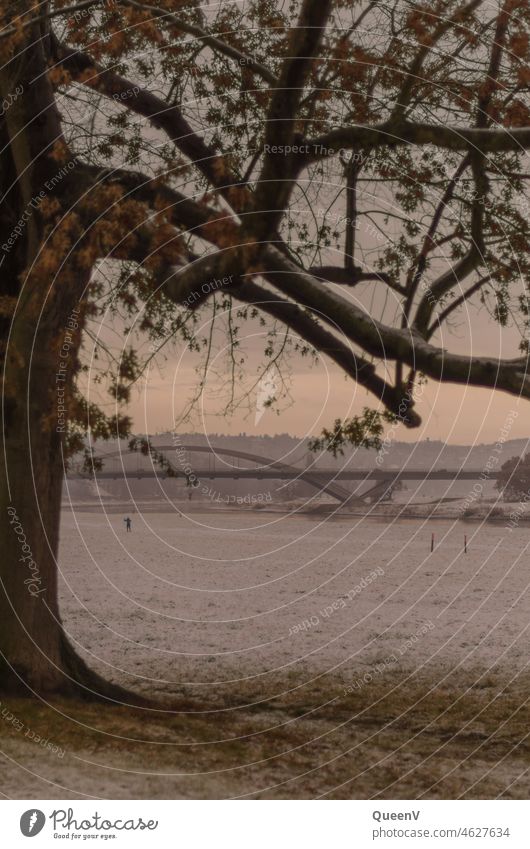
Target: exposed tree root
{"x":89,"y":686}
{"x":76,"y":681}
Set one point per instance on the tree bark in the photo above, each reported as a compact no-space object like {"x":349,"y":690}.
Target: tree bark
{"x":30,"y":628}
{"x":35,"y":318}
{"x":35,"y":656}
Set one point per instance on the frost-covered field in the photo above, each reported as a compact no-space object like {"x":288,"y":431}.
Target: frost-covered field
{"x":234,"y":619}
{"x":193,"y":601}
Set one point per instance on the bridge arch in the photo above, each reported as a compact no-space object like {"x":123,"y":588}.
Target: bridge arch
{"x":333,"y":489}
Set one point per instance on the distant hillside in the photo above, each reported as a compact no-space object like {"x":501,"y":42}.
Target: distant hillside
{"x":396,"y":455}
{"x":427,"y":454}
{"x":417,"y":455}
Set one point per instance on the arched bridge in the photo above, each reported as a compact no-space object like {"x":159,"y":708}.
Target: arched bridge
{"x":324,"y":480}
{"x":176,"y":456}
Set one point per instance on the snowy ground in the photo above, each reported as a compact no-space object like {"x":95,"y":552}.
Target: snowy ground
{"x":204,"y":599}
{"x":236,"y":617}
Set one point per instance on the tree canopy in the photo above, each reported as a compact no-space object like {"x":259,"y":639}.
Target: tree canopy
{"x":514,"y":479}
{"x":350,"y":175}
{"x":354,"y":171}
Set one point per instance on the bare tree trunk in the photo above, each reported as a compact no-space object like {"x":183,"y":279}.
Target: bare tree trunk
{"x":35,"y":656}
{"x":30,"y":500}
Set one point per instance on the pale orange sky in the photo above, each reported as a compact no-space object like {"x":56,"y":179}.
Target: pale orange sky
{"x":455,"y":414}
{"x":320,"y":393}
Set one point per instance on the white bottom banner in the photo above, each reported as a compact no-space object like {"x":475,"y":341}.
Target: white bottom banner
{"x":266,"y":824}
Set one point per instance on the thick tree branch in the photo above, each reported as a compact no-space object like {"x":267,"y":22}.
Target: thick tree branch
{"x":394,"y":134}
{"x":390,"y":343}
{"x":306,"y":326}
{"x":276,"y":179}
